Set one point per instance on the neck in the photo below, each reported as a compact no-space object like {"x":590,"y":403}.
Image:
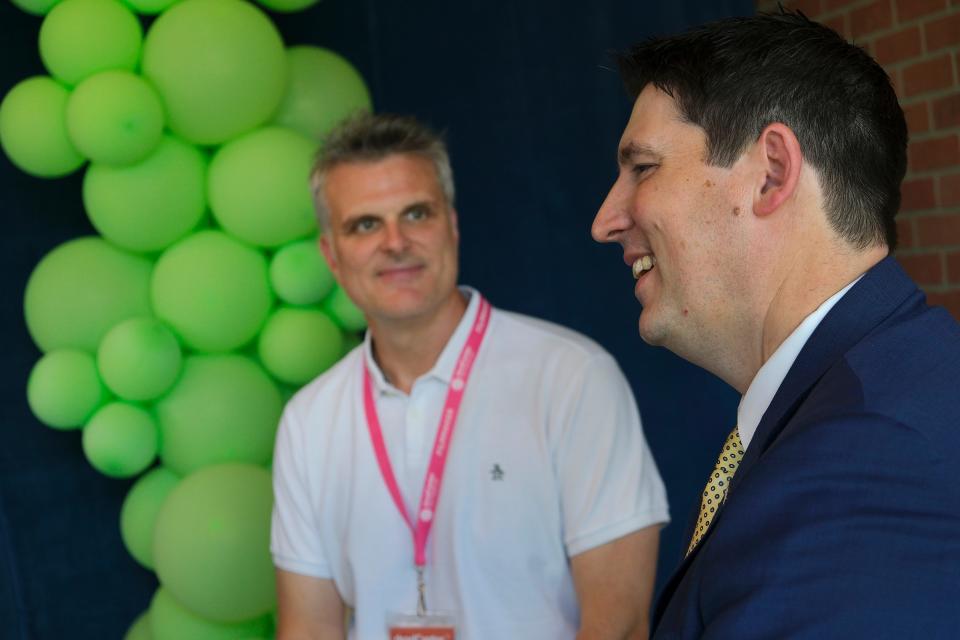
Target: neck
{"x":407,"y":349}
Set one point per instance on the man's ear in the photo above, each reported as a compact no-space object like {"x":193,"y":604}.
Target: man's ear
{"x":781,"y":159}
{"x":330,"y":255}
{"x":454,"y":224}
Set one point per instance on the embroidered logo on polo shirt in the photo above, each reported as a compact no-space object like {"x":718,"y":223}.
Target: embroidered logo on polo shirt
{"x":496,"y":473}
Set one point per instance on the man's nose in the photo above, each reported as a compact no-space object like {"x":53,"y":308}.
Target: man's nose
{"x":612,"y":218}
{"x":395,"y":239}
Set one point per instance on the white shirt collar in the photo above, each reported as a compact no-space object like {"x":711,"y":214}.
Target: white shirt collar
{"x":443,"y":368}
{"x":759,"y":395}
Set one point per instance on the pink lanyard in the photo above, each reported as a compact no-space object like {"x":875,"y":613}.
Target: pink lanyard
{"x":438,"y":459}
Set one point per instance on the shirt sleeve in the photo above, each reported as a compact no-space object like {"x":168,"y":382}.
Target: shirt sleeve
{"x":609,"y":483}
{"x":295,"y":540}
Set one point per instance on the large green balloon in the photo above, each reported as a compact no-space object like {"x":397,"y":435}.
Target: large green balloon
{"x":138,"y":516}
{"x":213,"y":290}
{"x":33,"y":128}
{"x":323,"y":90}
{"x":36,"y":7}
{"x":341,"y":308}
{"x":139,"y":359}
{"x":299,"y":274}
{"x":224,"y":408}
{"x":297,"y":345}
{"x":211,"y":545}
{"x":172,"y":621}
{"x":152,"y":204}
{"x":219,"y":66}
{"x":64,"y":389}
{"x":115,"y":118}
{"x":120,"y":440}
{"x":81,"y":37}
{"x":259,"y":187}
{"x":80,"y":290}
{"x":140,"y":629}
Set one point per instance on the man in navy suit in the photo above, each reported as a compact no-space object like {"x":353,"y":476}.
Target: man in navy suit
{"x":759,"y":179}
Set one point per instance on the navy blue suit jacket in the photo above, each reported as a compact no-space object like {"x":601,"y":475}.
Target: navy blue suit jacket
{"x":843,"y":520}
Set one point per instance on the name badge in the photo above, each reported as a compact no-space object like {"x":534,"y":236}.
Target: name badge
{"x":433,"y":626}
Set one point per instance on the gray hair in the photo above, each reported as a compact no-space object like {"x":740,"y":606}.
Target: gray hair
{"x":367,"y":137}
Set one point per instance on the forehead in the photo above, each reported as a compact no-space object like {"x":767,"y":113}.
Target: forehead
{"x":381,"y":185}
{"x":657,"y":129}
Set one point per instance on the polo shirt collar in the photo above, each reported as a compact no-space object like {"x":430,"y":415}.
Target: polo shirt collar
{"x":442,"y":369}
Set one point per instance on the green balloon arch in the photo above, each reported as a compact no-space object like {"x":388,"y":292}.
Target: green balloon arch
{"x":171,"y":340}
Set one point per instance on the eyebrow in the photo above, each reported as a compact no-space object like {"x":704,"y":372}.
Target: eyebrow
{"x":631,"y":150}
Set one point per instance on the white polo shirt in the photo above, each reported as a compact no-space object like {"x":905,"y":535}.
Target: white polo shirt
{"x":548,"y":460}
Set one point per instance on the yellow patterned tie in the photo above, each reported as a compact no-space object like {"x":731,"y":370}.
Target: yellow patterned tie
{"x":716,"y":490}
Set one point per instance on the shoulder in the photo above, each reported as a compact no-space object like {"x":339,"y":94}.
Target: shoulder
{"x":528,"y":336}
{"x":327,"y":393}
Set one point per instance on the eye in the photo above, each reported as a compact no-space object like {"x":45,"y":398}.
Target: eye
{"x":365,"y":224}
{"x":417,"y":213}
{"x":641,"y":169}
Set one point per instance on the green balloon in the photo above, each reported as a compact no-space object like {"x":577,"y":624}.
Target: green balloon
{"x":139,"y":359}
{"x":287,"y":6}
{"x":297,"y":345}
{"x":323,"y":90}
{"x":36,"y":7}
{"x":64,"y":389}
{"x":150,"y":7}
{"x":138,"y":516}
{"x":120,"y":440}
{"x":299,"y":274}
{"x":259,"y":187}
{"x":351,"y":341}
{"x":219,"y":67}
{"x":212,"y":290}
{"x":81,"y":37}
{"x":33,"y":129}
{"x":224,"y":408}
{"x":211,"y":545}
{"x":173,"y":621}
{"x":115,"y":118}
{"x":340,"y":307}
{"x":140,"y":629}
{"x":152,"y":204}
{"x":80,"y":290}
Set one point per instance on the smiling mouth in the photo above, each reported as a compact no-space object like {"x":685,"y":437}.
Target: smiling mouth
{"x":643,"y":264}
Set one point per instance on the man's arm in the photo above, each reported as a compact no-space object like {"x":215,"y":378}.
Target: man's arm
{"x":308,"y":608}
{"x":614,"y":584}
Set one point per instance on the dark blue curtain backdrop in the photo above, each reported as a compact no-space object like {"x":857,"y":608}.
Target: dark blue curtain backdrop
{"x":533,"y":113}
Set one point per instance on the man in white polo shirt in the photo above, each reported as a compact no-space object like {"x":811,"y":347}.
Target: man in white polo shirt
{"x":465,"y":466}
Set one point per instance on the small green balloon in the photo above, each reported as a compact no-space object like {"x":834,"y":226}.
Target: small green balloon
{"x":80,"y":290}
{"x":33,"y":129}
{"x":138,"y":516}
{"x":64,"y":389}
{"x":224,"y":408}
{"x":219,"y":67}
{"x":140,"y":629}
{"x":287,"y":6}
{"x":81,"y":37}
{"x":259,"y":187}
{"x":351,"y":341}
{"x":212,"y":290}
{"x":173,"y":621}
{"x":139,"y":359}
{"x":150,"y":7}
{"x":115,"y":118}
{"x":324,"y":88}
{"x":340,"y":307}
{"x":35,"y":7}
{"x":152,"y":204}
{"x":297,"y":345}
{"x":299,"y":274}
{"x":211,"y":545}
{"x":120,"y":440}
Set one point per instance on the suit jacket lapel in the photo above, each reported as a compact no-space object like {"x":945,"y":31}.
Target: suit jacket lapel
{"x":883,"y":289}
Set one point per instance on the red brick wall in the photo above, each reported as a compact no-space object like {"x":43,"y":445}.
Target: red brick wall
{"x":918,"y":43}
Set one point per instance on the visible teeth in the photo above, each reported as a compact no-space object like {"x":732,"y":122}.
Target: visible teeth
{"x":643,"y":264}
